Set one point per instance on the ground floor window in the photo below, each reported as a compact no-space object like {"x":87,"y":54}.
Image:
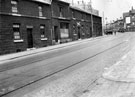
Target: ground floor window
{"x":74,"y":29}
{"x":42,"y":31}
{"x":16,"y":31}
{"x":64,"y":30}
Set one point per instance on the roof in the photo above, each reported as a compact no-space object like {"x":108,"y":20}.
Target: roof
{"x":65,"y":1}
{"x":82,"y":10}
{"x":79,"y":9}
{"x":125,"y":14}
{"x":44,"y":1}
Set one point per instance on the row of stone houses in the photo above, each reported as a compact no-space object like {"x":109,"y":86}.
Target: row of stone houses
{"x":26,"y":24}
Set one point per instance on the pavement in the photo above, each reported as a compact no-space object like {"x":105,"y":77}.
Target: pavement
{"x":44,"y":49}
{"x":117,"y":80}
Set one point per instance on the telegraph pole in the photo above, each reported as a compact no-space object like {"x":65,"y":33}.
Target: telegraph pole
{"x":72,"y":2}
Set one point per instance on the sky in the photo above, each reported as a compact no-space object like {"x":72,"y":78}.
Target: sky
{"x":111,"y":9}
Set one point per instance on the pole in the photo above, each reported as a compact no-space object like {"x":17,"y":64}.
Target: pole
{"x":72,"y":2}
{"x":51,"y":23}
{"x":91,"y":18}
{"x":103,"y":27}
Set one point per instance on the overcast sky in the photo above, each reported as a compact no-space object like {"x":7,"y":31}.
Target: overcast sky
{"x":112,"y":9}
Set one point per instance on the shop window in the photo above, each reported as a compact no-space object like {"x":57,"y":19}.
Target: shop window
{"x":42,"y":31}
{"x":64,"y":30}
{"x":14,"y":6}
{"x":40,"y":11}
{"x":16,"y":31}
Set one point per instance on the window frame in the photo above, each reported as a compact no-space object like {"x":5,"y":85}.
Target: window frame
{"x":40,"y":11}
{"x":16,"y":31}
{"x":61,"y":11}
{"x":42,"y":31}
{"x":14,"y":6}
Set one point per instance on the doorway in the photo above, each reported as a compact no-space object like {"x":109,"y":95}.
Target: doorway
{"x":56,"y":33}
{"x":79,"y":32}
{"x":29,"y":38}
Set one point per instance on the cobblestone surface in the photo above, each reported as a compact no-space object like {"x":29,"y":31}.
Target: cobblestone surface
{"x":118,"y":80}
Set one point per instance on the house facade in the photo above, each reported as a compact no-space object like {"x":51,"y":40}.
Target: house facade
{"x":28,"y":24}
{"x":24,"y":25}
{"x":61,"y":21}
{"x":129,"y":20}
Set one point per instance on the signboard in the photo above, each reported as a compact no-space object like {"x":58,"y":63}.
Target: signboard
{"x":127,"y":20}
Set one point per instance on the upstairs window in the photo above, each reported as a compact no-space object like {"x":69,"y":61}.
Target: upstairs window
{"x":40,"y":11}
{"x":42,"y":31}
{"x":16,"y":31}
{"x":82,"y":17}
{"x":61,"y":11}
{"x":14,"y":6}
{"x":73,"y":14}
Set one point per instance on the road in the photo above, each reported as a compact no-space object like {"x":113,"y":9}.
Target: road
{"x":97,"y":54}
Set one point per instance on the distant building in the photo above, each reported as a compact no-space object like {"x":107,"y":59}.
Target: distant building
{"x":129,"y":20}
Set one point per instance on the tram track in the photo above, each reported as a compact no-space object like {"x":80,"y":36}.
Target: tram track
{"x":48,"y":75}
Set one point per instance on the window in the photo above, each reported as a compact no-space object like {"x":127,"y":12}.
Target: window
{"x":40,"y":11}
{"x":74,"y":27}
{"x":61,"y":11}
{"x":42,"y":31}
{"x":16,"y":31}
{"x":73,"y":14}
{"x":82,"y":16}
{"x":14,"y":6}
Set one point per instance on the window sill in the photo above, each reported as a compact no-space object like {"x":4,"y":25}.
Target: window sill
{"x":44,"y":39}
{"x":16,"y":14}
{"x":74,"y":34}
{"x":18,"y":40}
{"x":41,"y":17}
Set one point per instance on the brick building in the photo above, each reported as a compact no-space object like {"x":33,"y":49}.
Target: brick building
{"x":61,"y":21}
{"x":26,"y":24}
{"x":129,"y":20}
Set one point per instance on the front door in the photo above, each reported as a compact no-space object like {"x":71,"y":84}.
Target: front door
{"x":79,"y":32}
{"x":56,"y":33}
{"x":29,"y":38}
